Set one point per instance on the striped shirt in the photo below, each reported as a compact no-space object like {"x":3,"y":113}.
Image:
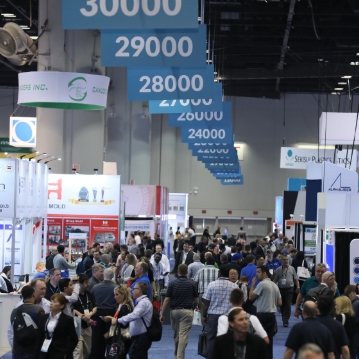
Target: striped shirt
{"x":182,"y":293}
{"x":218,"y":293}
{"x":205,"y":276}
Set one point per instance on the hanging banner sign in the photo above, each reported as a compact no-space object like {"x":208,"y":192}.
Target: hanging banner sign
{"x":211,"y":159}
{"x":7,"y":188}
{"x":298,"y":158}
{"x":219,"y":175}
{"x":210,"y":145}
{"x":23,"y":132}
{"x":125,"y":14}
{"x":154,"y":47}
{"x":203,"y":119}
{"x":193,"y":134}
{"x":222,"y":166}
{"x":214,"y":152}
{"x":232,"y":181}
{"x":180,"y":106}
{"x":170,"y":83}
{"x":66,"y":90}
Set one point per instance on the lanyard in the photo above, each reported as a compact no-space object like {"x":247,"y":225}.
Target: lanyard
{"x":47,"y":334}
{"x":87,"y":302}
{"x":284,"y":273}
{"x":57,"y":290}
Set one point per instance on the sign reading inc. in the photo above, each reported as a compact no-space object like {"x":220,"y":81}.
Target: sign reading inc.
{"x":66,"y":90}
{"x":129,"y":14}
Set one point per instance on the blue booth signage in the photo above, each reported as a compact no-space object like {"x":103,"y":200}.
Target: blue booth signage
{"x":129,"y":14}
{"x":222,"y":166}
{"x":215,"y":152}
{"x":180,"y":106}
{"x":210,"y":145}
{"x":232,"y":181}
{"x":193,"y":134}
{"x":213,"y":119}
{"x":170,"y":83}
{"x":154,"y":47}
{"x":211,"y":159}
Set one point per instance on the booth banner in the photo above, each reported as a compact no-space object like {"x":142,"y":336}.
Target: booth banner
{"x":83,"y":196}
{"x":154,"y":47}
{"x":177,"y":204}
{"x":211,"y":159}
{"x":180,"y":106}
{"x":66,"y":90}
{"x":78,"y":232}
{"x":310,"y":243}
{"x":213,"y":119}
{"x":220,"y":175}
{"x":41,"y":178}
{"x":222,"y":166}
{"x":338,"y":179}
{"x":54,"y":231}
{"x":298,"y":158}
{"x":170,"y":83}
{"x":220,"y":134}
{"x":104,"y":231}
{"x":232,"y":181}
{"x":139,"y":200}
{"x":136,"y":14}
{"x":23,"y":131}
{"x":6,"y":147}
{"x":210,"y":145}
{"x":215,"y":152}
{"x":354,"y":261}
{"x":7,"y":188}
{"x":6,"y":241}
{"x":146,"y":227}
{"x":22,"y":188}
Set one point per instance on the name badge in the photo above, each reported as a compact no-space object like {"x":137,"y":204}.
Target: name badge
{"x":86,"y":311}
{"x":46,"y":345}
{"x":284,"y":281}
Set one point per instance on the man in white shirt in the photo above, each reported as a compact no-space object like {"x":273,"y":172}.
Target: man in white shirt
{"x":237,"y":298}
{"x":138,"y":238}
{"x":164,"y":261}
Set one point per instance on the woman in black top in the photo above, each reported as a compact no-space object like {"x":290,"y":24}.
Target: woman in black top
{"x":123,"y":298}
{"x":5,"y":275}
{"x":59,"y":328}
{"x":298,"y":261}
{"x":345,"y":315}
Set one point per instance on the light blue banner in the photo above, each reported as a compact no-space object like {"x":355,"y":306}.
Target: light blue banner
{"x":154,"y":47}
{"x":210,"y":145}
{"x":232,"y":181}
{"x":180,"y":106}
{"x":222,"y":159}
{"x":129,"y":14}
{"x":210,"y":120}
{"x":223,"y":166}
{"x":214,"y":152}
{"x":170,"y":83}
{"x":219,"y":175}
{"x":218,"y":134}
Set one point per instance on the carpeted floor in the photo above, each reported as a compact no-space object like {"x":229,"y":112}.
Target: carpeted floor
{"x":164,"y":348}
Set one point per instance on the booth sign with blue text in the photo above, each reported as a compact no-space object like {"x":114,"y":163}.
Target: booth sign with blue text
{"x":129,"y":14}
{"x":22,"y":131}
{"x":154,"y":47}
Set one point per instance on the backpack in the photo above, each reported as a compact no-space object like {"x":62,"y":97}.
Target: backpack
{"x":154,"y":331}
{"x":25,"y":329}
{"x":313,"y":297}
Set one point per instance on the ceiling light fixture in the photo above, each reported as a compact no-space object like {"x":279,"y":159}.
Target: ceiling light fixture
{"x":346,"y":77}
{"x":8,"y":15}
{"x":34,"y":37}
{"x":342,"y":83}
{"x":338,"y":89}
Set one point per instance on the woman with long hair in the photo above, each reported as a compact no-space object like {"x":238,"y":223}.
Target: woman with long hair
{"x":125,"y":306}
{"x":345,"y":315}
{"x":57,"y":335}
{"x":5,"y":274}
{"x":128,"y":269}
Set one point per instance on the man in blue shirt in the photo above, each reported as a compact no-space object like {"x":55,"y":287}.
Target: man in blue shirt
{"x":141,"y":270}
{"x":272,"y":263}
{"x":250,"y":269}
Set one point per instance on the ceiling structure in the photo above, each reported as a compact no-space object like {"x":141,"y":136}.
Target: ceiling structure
{"x":260,"y":48}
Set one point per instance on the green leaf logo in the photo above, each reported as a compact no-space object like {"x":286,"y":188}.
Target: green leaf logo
{"x":78,"y":89}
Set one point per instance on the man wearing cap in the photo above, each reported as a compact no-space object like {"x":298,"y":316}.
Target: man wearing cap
{"x":272,"y":263}
{"x":234,"y":264}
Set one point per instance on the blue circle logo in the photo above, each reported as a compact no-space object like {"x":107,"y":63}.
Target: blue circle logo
{"x":356,"y":261}
{"x":356,"y":270}
{"x":23,"y":131}
{"x":356,"y":280}
{"x":290,"y":153}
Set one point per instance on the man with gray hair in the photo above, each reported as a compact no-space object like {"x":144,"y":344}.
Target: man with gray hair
{"x":194,"y":267}
{"x":310,"y":351}
{"x":97,"y":275}
{"x":106,"y":306}
{"x":105,"y":260}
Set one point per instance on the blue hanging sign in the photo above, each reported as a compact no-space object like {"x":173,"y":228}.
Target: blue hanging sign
{"x":218,"y":134}
{"x":129,"y":14}
{"x":170,"y":83}
{"x":219,"y":175}
{"x":211,"y":159}
{"x":154,"y":47}
{"x":210,"y":145}
{"x":213,"y":119}
{"x":179,"y":106}
{"x":232,"y":181}
{"x":214,"y":152}
{"x":222,"y":166}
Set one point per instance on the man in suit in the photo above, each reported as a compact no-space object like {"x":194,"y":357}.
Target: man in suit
{"x":183,"y":257}
{"x":238,"y":343}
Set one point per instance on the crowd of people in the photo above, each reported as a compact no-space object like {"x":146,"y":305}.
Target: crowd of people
{"x":238,"y":287}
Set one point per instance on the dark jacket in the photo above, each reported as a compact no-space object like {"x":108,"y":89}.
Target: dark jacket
{"x":64,"y":339}
{"x":179,"y":257}
{"x":256,"y":348}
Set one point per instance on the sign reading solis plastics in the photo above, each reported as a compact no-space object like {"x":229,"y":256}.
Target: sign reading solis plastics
{"x":84,"y":196}
{"x":154,"y":47}
{"x":129,"y":14}
{"x":7,"y":188}
{"x":170,"y":83}
{"x":180,"y":106}
{"x":66,"y":90}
